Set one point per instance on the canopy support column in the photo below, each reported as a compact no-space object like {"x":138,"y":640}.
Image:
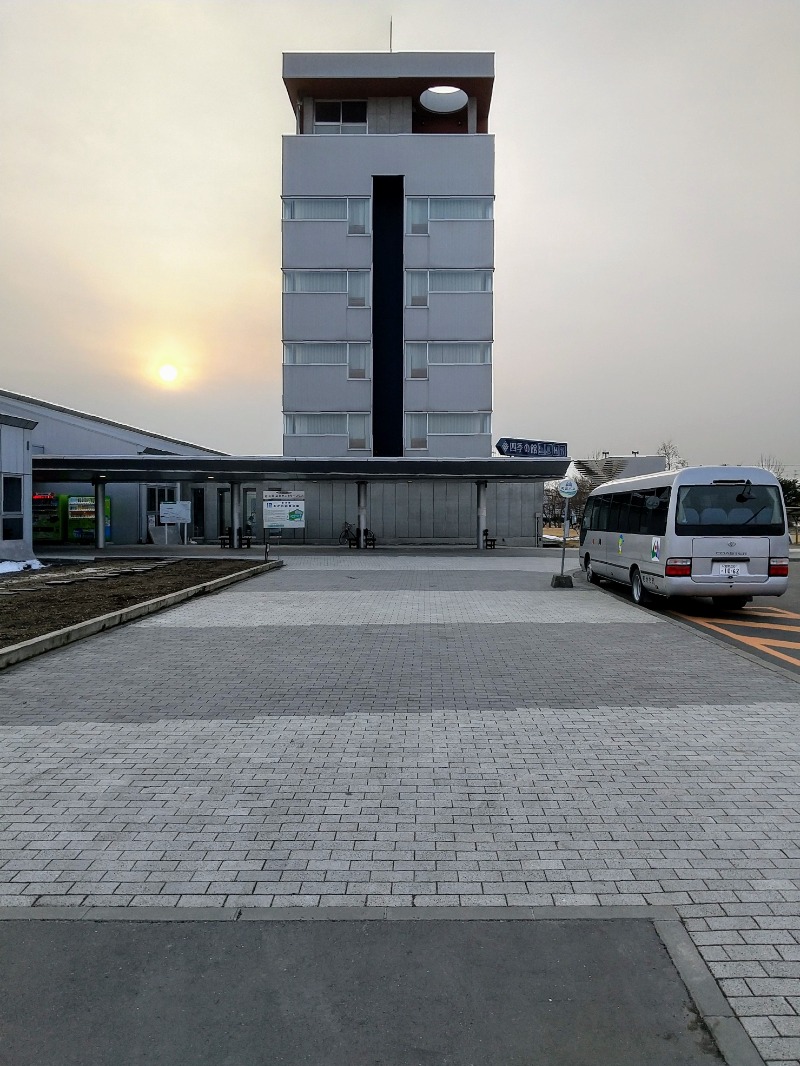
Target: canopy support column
{"x":362,"y":514}
{"x":99,"y":514}
{"x":481,"y":516}
{"x":236,"y":514}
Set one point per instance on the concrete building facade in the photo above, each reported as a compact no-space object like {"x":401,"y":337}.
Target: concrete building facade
{"x":388,"y":260}
{"x":388,"y":255}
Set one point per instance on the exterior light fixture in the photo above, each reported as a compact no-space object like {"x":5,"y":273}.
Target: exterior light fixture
{"x":444,"y":99}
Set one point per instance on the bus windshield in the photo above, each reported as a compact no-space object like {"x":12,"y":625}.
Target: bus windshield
{"x":724,"y":510}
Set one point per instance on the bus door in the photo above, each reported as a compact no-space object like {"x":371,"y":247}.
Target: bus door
{"x":597,"y":538}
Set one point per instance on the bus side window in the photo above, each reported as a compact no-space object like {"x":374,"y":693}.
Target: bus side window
{"x":623,"y":522}
{"x":636,"y":513}
{"x":658,"y":516}
{"x":587,"y":515}
{"x":613,"y":518}
{"x":601,"y":509}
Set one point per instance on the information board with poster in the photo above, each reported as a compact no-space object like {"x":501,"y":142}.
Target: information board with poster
{"x":175,"y":514}
{"x":284,"y":510}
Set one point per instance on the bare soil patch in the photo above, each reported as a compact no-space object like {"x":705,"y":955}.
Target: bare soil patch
{"x":35,"y":602}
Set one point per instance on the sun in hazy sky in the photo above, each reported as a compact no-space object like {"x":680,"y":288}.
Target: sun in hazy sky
{"x":168,"y":373}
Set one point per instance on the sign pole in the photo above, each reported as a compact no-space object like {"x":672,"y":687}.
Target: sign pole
{"x":567,"y":488}
{"x":566,"y":533}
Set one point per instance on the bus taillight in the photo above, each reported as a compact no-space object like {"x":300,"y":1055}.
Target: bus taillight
{"x":779,"y":568}
{"x":678,"y":568}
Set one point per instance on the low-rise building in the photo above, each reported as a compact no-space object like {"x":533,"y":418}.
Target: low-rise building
{"x":16,"y":530}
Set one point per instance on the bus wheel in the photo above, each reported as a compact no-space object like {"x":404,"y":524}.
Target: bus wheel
{"x":730,"y":603}
{"x":640,"y":593}
{"x":591,"y":576}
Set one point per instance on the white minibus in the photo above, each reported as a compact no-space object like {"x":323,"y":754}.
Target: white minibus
{"x":717,"y":531}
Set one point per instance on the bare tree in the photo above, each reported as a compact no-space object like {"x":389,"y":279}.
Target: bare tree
{"x":553,"y":503}
{"x":773,"y":463}
{"x":669,"y":449}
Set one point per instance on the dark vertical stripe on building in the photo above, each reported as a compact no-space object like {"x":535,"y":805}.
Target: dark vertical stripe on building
{"x":387,"y":315}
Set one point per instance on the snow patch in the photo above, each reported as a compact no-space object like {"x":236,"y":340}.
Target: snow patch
{"x":26,"y":564}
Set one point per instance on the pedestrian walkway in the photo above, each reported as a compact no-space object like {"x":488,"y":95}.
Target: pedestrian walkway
{"x":417,"y":735}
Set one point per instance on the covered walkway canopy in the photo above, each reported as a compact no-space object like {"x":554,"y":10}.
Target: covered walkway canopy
{"x":102,"y":470}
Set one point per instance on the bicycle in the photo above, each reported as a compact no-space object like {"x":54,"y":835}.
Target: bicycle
{"x":349,"y":536}
{"x":348,"y":533}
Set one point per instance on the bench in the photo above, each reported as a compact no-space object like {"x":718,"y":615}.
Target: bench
{"x":243,"y":540}
{"x":369,"y":539}
{"x":489,"y":542}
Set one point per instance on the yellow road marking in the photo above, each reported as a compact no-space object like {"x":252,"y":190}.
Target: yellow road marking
{"x":746,"y":622}
{"x":764,"y":644}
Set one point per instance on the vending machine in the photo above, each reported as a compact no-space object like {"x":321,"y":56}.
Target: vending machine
{"x":49,"y":517}
{"x":80,"y":519}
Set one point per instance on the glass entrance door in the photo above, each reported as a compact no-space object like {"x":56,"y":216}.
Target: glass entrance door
{"x":156,"y":495}
{"x":223,"y":510}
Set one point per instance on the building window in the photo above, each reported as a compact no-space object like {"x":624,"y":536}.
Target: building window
{"x":419,"y":283}
{"x":340,"y":116}
{"x":357,"y":360}
{"x":329,"y":424}
{"x":354,"y":356}
{"x":351,"y":209}
{"x":423,"y":209}
{"x":353,"y":282}
{"x":420,"y":355}
{"x":357,"y":285}
{"x":355,"y":426}
{"x":416,"y":360}
{"x":12,"y":494}
{"x":357,"y":215}
{"x":417,"y":431}
{"x":11,"y":506}
{"x":420,"y":426}
{"x":357,"y":430}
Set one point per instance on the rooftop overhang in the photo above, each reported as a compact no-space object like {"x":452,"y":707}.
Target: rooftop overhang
{"x":17,"y":422}
{"x":242,"y":468}
{"x":360,"y":75}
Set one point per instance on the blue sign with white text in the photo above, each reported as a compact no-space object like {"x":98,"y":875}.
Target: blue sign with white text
{"x":532,"y":449}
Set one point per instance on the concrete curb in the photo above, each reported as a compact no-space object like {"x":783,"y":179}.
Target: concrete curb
{"x":658,"y":913}
{"x":732,"y":1039}
{"x":27,"y":649}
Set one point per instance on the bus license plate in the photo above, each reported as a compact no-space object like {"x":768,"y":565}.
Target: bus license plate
{"x":730,"y":569}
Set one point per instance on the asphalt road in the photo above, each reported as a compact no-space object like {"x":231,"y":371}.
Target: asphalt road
{"x":564,"y":992}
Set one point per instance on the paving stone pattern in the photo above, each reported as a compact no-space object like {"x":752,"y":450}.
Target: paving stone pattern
{"x":620,"y":759}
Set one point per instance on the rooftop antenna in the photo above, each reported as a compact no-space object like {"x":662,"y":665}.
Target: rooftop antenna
{"x":390,"y":33}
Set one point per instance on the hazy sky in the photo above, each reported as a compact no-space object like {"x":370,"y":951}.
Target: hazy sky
{"x":647,"y":214}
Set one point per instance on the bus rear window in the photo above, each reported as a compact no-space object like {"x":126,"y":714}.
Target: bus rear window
{"x":729,"y":510}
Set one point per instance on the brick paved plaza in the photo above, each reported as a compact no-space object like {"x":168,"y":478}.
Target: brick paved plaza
{"x":418,"y":730}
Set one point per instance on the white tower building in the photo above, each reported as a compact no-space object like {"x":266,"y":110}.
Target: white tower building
{"x":388,"y":253}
